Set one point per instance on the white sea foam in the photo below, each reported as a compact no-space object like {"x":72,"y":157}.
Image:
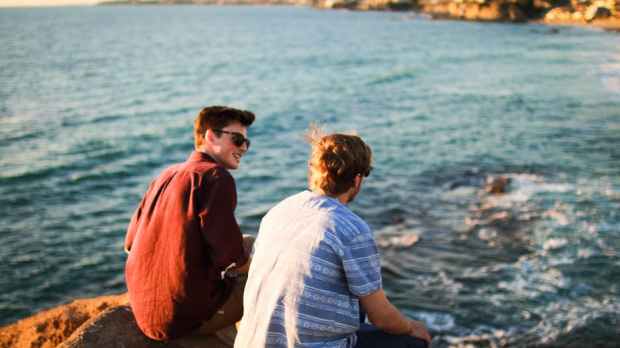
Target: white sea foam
{"x":554,"y":243}
{"x":434,"y":321}
{"x":405,"y":240}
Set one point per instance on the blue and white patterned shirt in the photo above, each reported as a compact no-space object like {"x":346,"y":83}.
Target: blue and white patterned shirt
{"x":313,"y":258}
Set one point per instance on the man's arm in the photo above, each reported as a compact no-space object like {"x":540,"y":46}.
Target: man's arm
{"x":248,"y":245}
{"x":132,"y":229}
{"x":382,"y":313}
{"x":221,"y":234}
{"x":243,"y":268}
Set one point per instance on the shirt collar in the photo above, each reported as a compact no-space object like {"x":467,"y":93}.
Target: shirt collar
{"x":197,"y":156}
{"x":325,"y":198}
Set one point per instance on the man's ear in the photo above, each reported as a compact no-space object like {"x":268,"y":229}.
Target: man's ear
{"x":358,"y":182}
{"x":209,"y":136}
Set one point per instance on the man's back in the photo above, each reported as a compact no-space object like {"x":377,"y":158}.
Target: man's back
{"x":173,"y":271}
{"x":313,"y":258}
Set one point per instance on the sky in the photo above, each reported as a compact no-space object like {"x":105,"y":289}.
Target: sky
{"x":14,"y":3}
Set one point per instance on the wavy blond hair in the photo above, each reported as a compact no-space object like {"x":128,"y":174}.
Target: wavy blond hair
{"x":335,"y":160}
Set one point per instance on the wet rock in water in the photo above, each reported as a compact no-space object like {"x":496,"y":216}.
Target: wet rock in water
{"x":336,"y":4}
{"x":497,"y":219}
{"x":396,"y":5}
{"x":497,"y":184}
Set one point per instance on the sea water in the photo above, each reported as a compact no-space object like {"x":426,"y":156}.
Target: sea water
{"x":96,"y":101}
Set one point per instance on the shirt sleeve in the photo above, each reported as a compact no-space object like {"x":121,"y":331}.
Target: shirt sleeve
{"x":135,"y":222}
{"x":362,"y":264}
{"x":218,"y":225}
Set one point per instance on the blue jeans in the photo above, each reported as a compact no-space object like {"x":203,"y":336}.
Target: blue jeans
{"x":369,"y":336}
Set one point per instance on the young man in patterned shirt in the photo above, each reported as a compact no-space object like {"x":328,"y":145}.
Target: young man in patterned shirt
{"x":315,"y":263}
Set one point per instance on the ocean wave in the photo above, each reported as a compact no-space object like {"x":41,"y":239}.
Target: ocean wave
{"x":393,"y":78}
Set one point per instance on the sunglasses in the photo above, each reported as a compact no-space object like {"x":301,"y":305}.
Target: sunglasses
{"x":367,"y":172}
{"x":237,"y":138}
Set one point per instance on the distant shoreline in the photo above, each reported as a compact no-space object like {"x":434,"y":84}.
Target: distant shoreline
{"x":609,"y":25}
{"x":202,"y":3}
{"x":436,"y":12}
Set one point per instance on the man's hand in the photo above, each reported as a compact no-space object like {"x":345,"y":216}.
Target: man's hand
{"x":243,"y":269}
{"x":233,"y":271}
{"x":417,"y":329}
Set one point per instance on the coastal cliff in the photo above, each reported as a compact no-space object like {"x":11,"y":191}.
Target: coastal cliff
{"x":598,"y":13}
{"x":603,"y":13}
{"x":205,"y":2}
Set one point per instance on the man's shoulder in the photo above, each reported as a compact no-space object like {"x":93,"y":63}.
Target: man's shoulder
{"x":321,"y":207}
{"x":295,"y":207}
{"x":344,"y":215}
{"x":293,"y":202}
{"x":195,"y":174}
{"x":207,"y":169}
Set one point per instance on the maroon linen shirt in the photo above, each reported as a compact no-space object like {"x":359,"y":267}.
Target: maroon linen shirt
{"x":180,"y":239}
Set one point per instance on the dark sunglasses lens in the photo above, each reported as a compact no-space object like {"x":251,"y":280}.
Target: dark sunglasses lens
{"x":238,"y":140}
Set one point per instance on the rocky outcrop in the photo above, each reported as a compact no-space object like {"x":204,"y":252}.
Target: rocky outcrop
{"x":51,"y":327}
{"x":481,"y":10}
{"x":115,"y":327}
{"x":522,"y":10}
{"x":394,"y":5}
{"x":105,"y":321}
{"x":603,"y":13}
{"x":335,"y":4}
{"x":597,"y":11}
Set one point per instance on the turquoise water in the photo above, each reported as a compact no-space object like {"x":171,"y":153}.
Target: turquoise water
{"x":95,"y":101}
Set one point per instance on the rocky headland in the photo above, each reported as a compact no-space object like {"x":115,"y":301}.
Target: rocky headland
{"x":597,"y":13}
{"x":205,"y":2}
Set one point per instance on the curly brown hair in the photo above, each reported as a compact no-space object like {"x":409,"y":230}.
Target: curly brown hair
{"x":335,"y":161}
{"x":218,"y":117}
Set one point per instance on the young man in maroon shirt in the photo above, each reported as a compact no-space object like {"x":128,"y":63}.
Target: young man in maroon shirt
{"x":184,"y":236}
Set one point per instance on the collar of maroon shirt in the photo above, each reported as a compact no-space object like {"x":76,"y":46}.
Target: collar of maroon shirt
{"x":197,"y":156}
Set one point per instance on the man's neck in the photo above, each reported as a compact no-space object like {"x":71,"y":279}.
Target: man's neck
{"x":343,"y":198}
{"x":204,"y":150}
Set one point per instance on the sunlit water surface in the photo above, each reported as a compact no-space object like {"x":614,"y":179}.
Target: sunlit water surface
{"x":94,"y":102}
